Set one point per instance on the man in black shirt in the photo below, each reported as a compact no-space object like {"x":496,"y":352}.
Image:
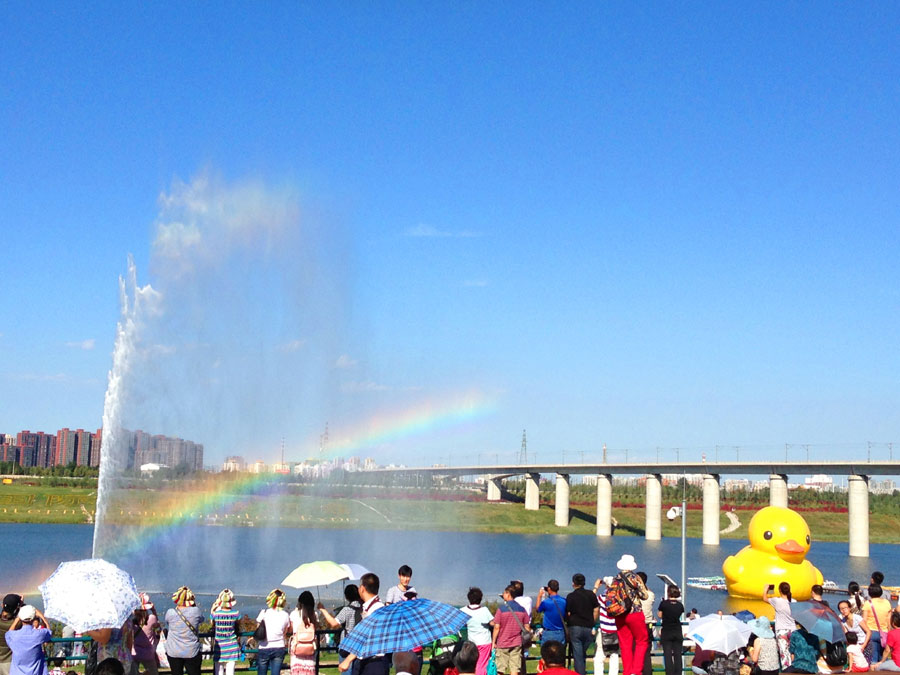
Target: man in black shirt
{"x":582,"y":609}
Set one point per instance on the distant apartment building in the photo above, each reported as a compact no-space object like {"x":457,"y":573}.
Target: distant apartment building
{"x":65,"y":447}
{"x":258,"y":467}
{"x":96,"y":442}
{"x":82,"y":447}
{"x":234,"y":464}
{"x":167,"y":451}
{"x":819,"y":482}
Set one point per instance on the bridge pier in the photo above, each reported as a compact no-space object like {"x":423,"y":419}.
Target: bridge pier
{"x":710,"y":509}
{"x":653,"y":526}
{"x":493,"y":489}
{"x":604,"y":505}
{"x":778,"y":490}
{"x":562,"y":500}
{"x":858,"y":507}
{"x":532,"y":491}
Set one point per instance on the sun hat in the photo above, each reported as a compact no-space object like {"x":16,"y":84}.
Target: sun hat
{"x":761,"y":627}
{"x":608,"y":581}
{"x":224,"y":601}
{"x":275,"y":599}
{"x":26,"y":613}
{"x":146,"y":602}
{"x":626,"y":563}
{"x":184,"y":597}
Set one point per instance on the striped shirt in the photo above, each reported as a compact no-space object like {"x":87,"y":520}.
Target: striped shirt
{"x":227,"y":647}
{"x":604,"y":620}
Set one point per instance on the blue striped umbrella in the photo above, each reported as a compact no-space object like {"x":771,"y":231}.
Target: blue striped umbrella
{"x":402,"y":627}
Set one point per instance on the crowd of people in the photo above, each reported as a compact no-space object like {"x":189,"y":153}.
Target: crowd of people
{"x":616,"y":618}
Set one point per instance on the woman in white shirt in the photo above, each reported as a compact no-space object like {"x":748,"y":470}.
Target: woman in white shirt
{"x":272,"y":649}
{"x":784,"y":622}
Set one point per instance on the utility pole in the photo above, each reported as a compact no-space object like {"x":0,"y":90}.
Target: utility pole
{"x":604,"y":453}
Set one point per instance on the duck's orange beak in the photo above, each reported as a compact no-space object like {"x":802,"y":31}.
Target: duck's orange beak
{"x":789,"y":547}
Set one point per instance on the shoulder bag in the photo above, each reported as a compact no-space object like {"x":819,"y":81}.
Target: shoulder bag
{"x":260,"y":634}
{"x":187,"y":623}
{"x":561,"y":617}
{"x":527,"y":633}
{"x":882,"y":633}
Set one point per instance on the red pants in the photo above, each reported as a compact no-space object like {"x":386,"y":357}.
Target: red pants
{"x":633,"y":642}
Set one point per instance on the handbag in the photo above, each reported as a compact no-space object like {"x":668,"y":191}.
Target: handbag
{"x":526,"y":633}
{"x":260,"y":634}
{"x":491,"y":668}
{"x":162,"y":659}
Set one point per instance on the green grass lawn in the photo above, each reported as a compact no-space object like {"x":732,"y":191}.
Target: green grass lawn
{"x":39,"y":504}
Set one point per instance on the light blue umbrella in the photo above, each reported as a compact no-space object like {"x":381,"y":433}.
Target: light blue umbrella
{"x":354,"y":571}
{"x":89,"y":595}
{"x":819,"y":620}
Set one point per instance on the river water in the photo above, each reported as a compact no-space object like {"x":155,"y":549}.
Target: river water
{"x":252,"y":561}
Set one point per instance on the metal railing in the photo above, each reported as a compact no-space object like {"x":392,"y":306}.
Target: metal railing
{"x":328,"y":645}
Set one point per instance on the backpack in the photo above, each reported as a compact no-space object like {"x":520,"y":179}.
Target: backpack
{"x":619,"y":597}
{"x":835,"y":654}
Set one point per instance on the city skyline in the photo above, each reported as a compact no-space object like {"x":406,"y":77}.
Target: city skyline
{"x":645,"y":226}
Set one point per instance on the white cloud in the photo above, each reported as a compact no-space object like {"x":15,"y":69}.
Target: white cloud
{"x":431,"y":231}
{"x":203,"y":222}
{"x":360,"y":387}
{"x":344,"y":361}
{"x":86,"y":345}
{"x":159,"y":350}
{"x":292,"y":346}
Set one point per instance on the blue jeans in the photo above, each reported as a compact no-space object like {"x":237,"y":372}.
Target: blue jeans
{"x":558,"y":635}
{"x":270,"y":659}
{"x":581,"y":637}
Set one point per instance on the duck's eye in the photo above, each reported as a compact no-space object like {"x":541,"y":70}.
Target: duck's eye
{"x":767,"y":534}
{"x":807,"y":540}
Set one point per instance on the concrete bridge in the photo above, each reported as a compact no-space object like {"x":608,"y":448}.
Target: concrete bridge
{"x":857,"y":473}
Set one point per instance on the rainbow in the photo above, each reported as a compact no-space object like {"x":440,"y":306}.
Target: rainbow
{"x":218,"y":496}
{"x":425,"y":417}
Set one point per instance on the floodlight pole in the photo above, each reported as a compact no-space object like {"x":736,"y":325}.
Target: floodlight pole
{"x":684,"y":540}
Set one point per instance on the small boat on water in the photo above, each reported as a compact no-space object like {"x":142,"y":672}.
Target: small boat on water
{"x":716,"y":583}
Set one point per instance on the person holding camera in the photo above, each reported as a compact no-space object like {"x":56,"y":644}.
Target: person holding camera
{"x":553,"y":607}
{"x":11,"y":604}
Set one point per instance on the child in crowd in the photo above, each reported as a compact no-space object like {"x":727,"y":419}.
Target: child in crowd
{"x":857,"y":661}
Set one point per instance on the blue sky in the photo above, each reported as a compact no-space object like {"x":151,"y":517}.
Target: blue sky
{"x":640,"y":224}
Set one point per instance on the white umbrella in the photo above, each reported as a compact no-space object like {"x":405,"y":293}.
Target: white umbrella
{"x":719,"y":633}
{"x":319,"y":573}
{"x":89,"y":595}
{"x":354,"y":571}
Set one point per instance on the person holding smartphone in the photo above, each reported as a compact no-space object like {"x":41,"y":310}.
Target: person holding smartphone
{"x":784,"y":621}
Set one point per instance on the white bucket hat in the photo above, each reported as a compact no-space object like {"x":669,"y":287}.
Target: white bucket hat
{"x":626,"y":563}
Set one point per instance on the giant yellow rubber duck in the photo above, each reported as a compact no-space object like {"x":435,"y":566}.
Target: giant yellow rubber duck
{"x":779,"y":542}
